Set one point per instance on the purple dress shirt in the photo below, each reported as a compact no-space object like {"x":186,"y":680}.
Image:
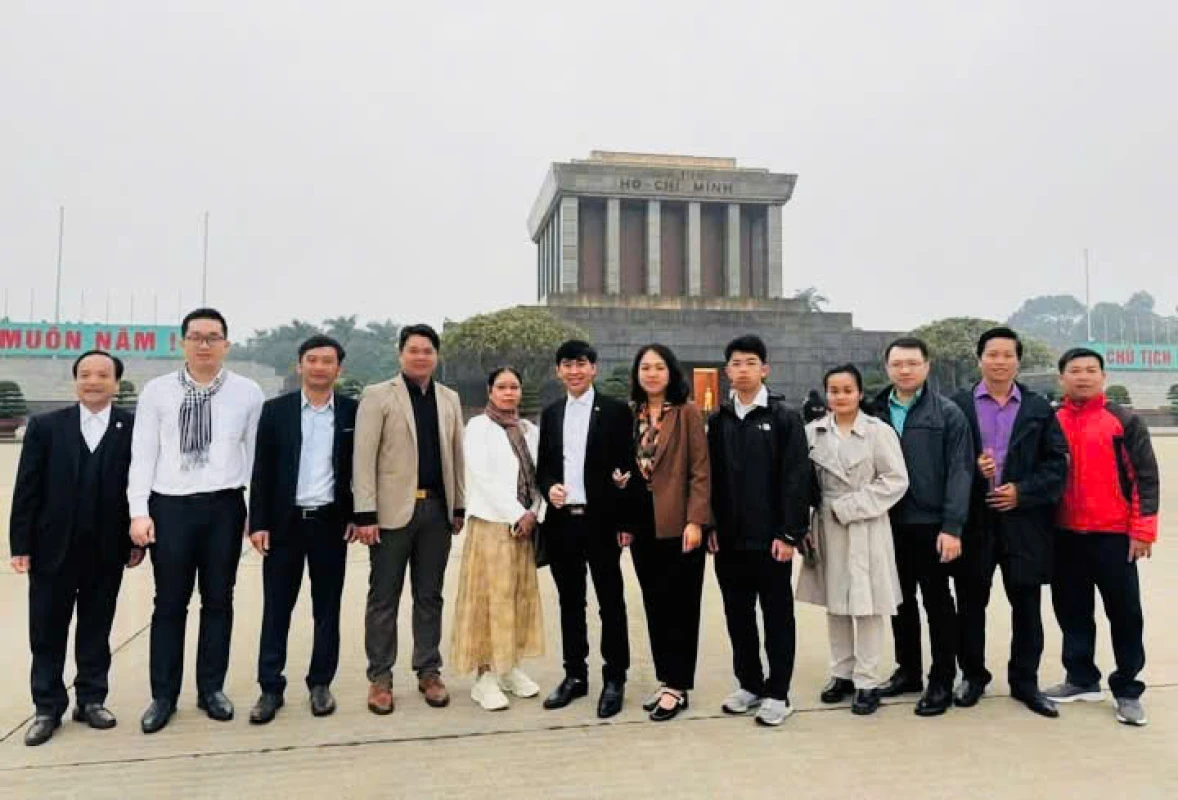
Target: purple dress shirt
{"x":995,"y":422}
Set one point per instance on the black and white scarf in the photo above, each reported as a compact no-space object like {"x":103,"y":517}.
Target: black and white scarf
{"x":196,"y":419}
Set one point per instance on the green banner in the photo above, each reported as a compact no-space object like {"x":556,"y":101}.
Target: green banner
{"x":126,"y":341}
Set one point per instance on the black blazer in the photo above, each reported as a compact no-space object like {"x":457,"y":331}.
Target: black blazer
{"x":43,"y":502}
{"x":276,"y":461}
{"x":610,"y":446}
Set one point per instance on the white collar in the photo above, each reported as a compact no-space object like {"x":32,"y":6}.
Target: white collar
{"x":584,"y":400}
{"x":762,"y":399}
{"x":308,"y":404}
{"x":102,"y":416}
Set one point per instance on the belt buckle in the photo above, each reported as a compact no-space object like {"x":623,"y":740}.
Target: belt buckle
{"x":422,"y":494}
{"x":307,"y":513}
{"x":576,"y":511}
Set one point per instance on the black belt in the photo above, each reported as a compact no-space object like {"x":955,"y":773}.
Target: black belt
{"x":315,"y":512}
{"x":578,"y":510}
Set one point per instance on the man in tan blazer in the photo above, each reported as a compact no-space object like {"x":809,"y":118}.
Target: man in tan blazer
{"x":407,"y":483}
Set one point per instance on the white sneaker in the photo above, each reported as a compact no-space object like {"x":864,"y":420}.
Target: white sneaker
{"x":518,"y":684}
{"x":740,"y":702}
{"x":773,"y":712}
{"x":486,"y":693}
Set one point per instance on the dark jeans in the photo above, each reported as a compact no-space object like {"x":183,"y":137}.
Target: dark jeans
{"x":920,"y":568}
{"x":745,"y":577}
{"x":577,"y":543}
{"x":422,"y":549}
{"x":198,"y":540}
{"x":672,"y":586}
{"x":95,"y":590}
{"x":320,"y":542}
{"x":1085,"y":563}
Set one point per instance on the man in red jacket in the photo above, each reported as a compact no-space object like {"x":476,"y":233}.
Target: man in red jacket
{"x":1108,"y":519}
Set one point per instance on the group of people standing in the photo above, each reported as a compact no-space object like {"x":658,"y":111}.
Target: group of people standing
{"x":884,"y":498}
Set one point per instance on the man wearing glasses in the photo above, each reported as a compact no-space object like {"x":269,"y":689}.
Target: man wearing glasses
{"x":192,"y":453}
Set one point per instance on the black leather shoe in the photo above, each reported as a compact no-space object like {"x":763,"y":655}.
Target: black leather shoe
{"x":1039,"y":703}
{"x":266,"y":707}
{"x":660,"y":714}
{"x":900,"y":683}
{"x":612,"y":697}
{"x":322,"y":703}
{"x":935,"y":701}
{"x":216,"y":705}
{"x":866,"y":702}
{"x":969,"y":693}
{"x":41,"y":730}
{"x":157,"y":715}
{"x":568,"y":691}
{"x":95,"y":715}
{"x":837,"y":690}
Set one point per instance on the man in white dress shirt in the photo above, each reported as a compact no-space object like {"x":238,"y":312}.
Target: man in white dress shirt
{"x":191,"y":458}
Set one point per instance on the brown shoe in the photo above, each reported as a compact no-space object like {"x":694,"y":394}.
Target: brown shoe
{"x":434,"y":690}
{"x":380,"y":698}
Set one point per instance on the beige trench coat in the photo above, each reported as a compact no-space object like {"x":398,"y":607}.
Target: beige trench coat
{"x":861,"y":478}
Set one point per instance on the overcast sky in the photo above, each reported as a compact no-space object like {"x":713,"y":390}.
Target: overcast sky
{"x":380,"y":158}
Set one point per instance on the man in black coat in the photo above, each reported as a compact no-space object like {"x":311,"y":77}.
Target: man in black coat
{"x":1019,"y":477}
{"x":69,"y":531}
{"x":585,"y":437}
{"x":300,"y":507}
{"x":927,"y":524}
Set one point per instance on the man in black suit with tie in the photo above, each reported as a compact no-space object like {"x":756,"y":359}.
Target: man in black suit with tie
{"x":300,"y":507}
{"x":69,"y":532}
{"x":584,"y":438}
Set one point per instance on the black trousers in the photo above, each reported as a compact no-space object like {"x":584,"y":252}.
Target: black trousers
{"x":318,"y":541}
{"x":1085,"y":563}
{"x":577,"y":543}
{"x":746,"y":576}
{"x":1026,"y":641}
{"x":94,"y":589}
{"x":197,"y":541}
{"x":672,"y":587}
{"x":920,"y":568}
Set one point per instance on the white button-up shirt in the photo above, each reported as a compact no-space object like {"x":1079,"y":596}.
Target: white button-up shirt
{"x":762,"y":400}
{"x":93,"y":426}
{"x":316,"y":484}
{"x":577,"y":413}
{"x":155,"y":444}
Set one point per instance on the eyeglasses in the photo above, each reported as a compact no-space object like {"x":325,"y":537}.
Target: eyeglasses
{"x":212,"y":340}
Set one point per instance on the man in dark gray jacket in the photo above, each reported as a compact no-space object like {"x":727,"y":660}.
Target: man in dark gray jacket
{"x":927,"y":523}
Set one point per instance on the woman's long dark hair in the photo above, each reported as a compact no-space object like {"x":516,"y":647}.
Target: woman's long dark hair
{"x":677,"y":389}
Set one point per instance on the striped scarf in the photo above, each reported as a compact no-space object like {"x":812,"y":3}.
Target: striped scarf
{"x":196,"y":419}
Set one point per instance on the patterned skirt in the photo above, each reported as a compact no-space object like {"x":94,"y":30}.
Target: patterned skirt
{"x":497,"y":619}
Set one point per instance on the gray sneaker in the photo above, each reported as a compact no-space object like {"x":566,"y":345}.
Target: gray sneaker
{"x":1070,"y":693}
{"x":773,"y":712}
{"x":1130,"y":711}
{"x":740,"y":702}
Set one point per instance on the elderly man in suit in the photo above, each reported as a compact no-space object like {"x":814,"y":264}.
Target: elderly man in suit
{"x":69,"y":533}
{"x":300,"y":511}
{"x":408,"y":495}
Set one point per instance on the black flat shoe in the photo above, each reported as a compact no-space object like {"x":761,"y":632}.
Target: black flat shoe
{"x":157,"y":715}
{"x":837,"y":690}
{"x":322,"y":703}
{"x":216,"y":705}
{"x":660,"y":714}
{"x":568,"y":691}
{"x":900,"y":683}
{"x":935,"y":701}
{"x":611,"y":700}
{"x":866,"y":702}
{"x":266,"y":708}
{"x":969,"y":693}
{"x":96,"y":716}
{"x":41,"y":730}
{"x":1039,"y":703}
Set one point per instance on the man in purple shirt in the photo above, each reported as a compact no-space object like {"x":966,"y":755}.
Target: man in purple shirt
{"x":1019,"y":479}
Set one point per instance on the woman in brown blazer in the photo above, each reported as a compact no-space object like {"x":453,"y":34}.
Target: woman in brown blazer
{"x":667,"y":490}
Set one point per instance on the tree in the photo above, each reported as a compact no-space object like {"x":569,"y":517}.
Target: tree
{"x":1172,"y":396}
{"x":813,"y":299}
{"x":127,"y":396}
{"x":371,"y":350}
{"x":1140,"y":303}
{"x":349,"y":386}
{"x":617,"y":383}
{"x":953,"y":344}
{"x":1118,"y":394}
{"x":12,"y":401}
{"x":1060,"y":319}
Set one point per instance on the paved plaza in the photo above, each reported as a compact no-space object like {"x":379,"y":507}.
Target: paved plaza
{"x":997,"y":750}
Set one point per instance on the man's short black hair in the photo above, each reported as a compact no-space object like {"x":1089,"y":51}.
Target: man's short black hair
{"x":907,"y":343}
{"x":1079,"y":352}
{"x":1001,"y":332}
{"x":320,"y":340}
{"x":575,"y":349}
{"x":205,"y":313}
{"x":421,"y":329}
{"x":747,"y":344}
{"x":114,"y":360}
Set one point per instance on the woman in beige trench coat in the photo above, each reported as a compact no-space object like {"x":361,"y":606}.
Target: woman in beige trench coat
{"x":850,"y":563}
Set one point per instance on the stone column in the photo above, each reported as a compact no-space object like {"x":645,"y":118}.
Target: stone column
{"x":569,"y":245}
{"x":654,"y":247}
{"x":773,"y":284}
{"x":695,"y":276}
{"x":613,"y":246}
{"x":732,"y":252}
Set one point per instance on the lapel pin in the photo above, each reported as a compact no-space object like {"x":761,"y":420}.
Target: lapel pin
{"x":118,"y":424}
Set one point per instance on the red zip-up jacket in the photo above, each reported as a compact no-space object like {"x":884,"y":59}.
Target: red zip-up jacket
{"x":1113,"y":482}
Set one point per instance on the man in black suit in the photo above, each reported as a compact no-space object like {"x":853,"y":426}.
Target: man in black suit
{"x":300,"y":507}
{"x":69,"y":532}
{"x":584,"y":438}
